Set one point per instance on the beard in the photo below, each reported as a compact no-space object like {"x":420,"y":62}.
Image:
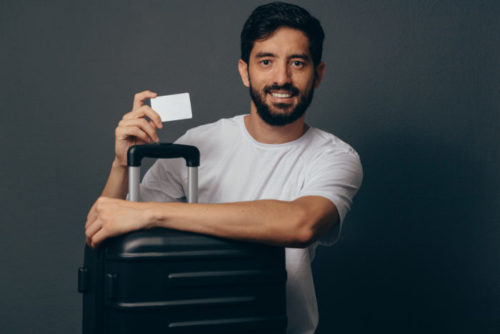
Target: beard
{"x":284,"y":116}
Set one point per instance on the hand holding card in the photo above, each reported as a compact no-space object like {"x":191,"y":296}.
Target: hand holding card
{"x":172,"y":107}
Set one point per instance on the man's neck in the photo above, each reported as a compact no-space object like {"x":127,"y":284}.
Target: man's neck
{"x":269,"y":134}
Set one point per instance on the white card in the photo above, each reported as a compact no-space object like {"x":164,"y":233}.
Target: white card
{"x":172,"y":107}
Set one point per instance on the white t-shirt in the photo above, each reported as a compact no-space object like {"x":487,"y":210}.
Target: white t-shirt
{"x":235,"y":167}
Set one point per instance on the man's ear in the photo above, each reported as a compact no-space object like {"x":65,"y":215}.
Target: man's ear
{"x":243,"y":68}
{"x":319,"y":73}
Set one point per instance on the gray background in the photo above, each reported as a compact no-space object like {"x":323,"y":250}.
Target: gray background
{"x":412,"y":85}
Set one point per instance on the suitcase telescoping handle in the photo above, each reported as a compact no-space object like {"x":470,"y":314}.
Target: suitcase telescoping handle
{"x":163,"y":150}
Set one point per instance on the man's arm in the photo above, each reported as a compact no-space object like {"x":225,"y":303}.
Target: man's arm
{"x":117,"y":184}
{"x":293,"y":224}
{"x":133,"y":129}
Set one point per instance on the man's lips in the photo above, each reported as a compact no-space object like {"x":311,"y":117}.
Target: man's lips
{"x":281,"y":100}
{"x":282,"y":95}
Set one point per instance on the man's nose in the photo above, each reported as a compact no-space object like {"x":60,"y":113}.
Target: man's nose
{"x":282,"y":74}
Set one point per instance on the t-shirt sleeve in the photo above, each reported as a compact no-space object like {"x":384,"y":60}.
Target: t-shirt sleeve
{"x":337,"y":176}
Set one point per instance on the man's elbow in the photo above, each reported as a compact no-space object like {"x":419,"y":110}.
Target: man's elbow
{"x":309,"y":226}
{"x":303,"y":239}
{"x":306,"y":231}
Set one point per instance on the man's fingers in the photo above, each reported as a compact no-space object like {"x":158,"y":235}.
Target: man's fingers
{"x":142,"y":124}
{"x":97,"y":238}
{"x":92,"y":229}
{"x":154,"y":116}
{"x":134,"y":131}
{"x":139,"y":98}
{"x":145,"y":111}
{"x":92,"y":215}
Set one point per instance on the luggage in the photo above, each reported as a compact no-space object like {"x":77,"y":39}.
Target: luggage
{"x":167,"y":281}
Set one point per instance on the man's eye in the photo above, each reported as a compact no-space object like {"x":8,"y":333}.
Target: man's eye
{"x":297,"y":63}
{"x":265,"y":62}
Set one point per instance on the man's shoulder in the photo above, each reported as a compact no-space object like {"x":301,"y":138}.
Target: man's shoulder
{"x":329,"y":143}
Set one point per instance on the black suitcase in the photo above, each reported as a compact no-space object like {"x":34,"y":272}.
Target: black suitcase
{"x":166,"y":281}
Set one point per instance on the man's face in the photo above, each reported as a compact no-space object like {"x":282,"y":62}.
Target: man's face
{"x":281,"y":76}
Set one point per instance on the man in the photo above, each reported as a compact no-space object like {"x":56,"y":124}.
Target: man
{"x":265,"y":177}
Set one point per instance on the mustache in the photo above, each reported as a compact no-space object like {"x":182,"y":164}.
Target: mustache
{"x":286,"y":87}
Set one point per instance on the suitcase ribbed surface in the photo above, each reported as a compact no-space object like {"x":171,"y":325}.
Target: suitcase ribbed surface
{"x":165,"y":281}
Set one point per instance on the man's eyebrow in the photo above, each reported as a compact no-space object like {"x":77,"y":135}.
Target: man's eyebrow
{"x":300,"y":55}
{"x":303,"y":56}
{"x":264,"y":54}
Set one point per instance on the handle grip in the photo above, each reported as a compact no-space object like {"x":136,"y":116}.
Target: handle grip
{"x":136,"y":153}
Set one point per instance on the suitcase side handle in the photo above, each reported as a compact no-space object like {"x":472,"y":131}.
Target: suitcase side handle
{"x":136,"y":153}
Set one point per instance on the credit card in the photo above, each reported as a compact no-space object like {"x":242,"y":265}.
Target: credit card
{"x":172,"y":107}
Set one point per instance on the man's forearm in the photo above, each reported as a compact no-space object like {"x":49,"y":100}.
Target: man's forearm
{"x":292,"y":224}
{"x":117,"y":184}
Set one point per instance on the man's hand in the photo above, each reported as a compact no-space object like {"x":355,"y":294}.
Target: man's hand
{"x":110,"y":217}
{"x":135,"y":129}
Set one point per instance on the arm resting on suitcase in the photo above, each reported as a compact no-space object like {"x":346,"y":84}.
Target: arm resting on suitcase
{"x":292,"y":224}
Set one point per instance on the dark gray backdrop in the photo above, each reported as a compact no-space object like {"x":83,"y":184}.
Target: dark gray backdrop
{"x":412,"y":85}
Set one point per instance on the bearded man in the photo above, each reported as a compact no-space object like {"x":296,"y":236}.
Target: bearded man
{"x":265,"y":177}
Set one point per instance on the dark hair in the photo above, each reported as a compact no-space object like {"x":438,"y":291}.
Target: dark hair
{"x":265,"y":19}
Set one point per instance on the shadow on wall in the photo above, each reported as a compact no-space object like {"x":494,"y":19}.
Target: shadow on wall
{"x":419,"y":251}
